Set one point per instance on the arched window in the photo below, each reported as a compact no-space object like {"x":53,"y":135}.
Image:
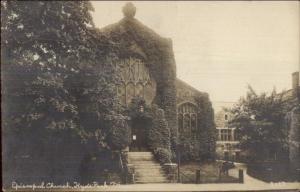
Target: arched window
{"x":129,"y":92}
{"x":122,"y":93}
{"x":187,"y":118}
{"x":149,"y":93}
{"x":139,"y":90}
{"x":226,"y":117}
{"x":136,"y":80}
{"x":193,"y":123}
{"x":180,"y":122}
{"x":186,"y":123}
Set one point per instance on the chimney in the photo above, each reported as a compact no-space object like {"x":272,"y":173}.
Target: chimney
{"x":295,"y":82}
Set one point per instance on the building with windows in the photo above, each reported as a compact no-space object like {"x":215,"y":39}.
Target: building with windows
{"x":227,"y":147}
{"x":187,"y":109}
{"x":147,"y":70}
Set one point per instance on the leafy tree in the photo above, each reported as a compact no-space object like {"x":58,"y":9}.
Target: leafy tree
{"x":259,"y":119}
{"x":57,"y":78}
{"x":42,"y":45}
{"x":41,"y":42}
{"x":57,"y":70}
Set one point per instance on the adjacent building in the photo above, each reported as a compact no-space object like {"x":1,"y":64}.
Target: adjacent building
{"x":227,"y":146}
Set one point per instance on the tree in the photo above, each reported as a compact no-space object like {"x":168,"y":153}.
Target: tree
{"x":58,"y":78}
{"x":58,"y":70}
{"x":41,"y":43}
{"x":260,"y":122}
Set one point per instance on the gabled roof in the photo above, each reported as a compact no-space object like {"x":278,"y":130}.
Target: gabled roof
{"x":183,"y":83}
{"x":136,"y":36}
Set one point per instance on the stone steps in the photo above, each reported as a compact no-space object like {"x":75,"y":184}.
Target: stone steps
{"x":147,"y":169}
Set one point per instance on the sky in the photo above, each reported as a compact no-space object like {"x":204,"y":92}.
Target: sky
{"x":221,"y":47}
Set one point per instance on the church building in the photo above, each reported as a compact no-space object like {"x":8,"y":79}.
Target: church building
{"x":147,"y":70}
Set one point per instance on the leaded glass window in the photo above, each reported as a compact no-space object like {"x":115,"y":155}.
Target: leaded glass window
{"x":135,"y":81}
{"x":187,"y":118}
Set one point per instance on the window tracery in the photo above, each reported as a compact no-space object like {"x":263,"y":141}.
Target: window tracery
{"x":187,"y":118}
{"x":135,"y":80}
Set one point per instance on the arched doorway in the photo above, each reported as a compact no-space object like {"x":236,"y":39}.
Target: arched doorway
{"x":139,"y":134}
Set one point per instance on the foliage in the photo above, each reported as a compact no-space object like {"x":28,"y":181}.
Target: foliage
{"x":119,"y":134}
{"x":35,"y":41}
{"x":158,"y":132}
{"x":260,"y":121}
{"x":207,"y":127}
{"x":132,"y":37}
{"x":201,"y":145}
{"x":163,"y":155}
{"x":58,"y":77}
{"x":60,"y":68}
{"x":138,"y":108}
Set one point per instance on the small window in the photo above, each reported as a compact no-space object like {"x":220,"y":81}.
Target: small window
{"x":226,"y":117}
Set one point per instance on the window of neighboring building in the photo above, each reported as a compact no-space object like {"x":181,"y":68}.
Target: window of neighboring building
{"x":225,"y":135}
{"x":226,"y":117}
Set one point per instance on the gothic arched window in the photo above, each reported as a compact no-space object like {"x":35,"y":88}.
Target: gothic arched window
{"x":193,"y":123}
{"x":187,"y":118}
{"x":136,"y":81}
{"x":122,"y":93}
{"x":186,"y":122}
{"x":129,"y":92}
{"x":149,"y":93}
{"x":139,"y":90}
{"x":180,"y":122}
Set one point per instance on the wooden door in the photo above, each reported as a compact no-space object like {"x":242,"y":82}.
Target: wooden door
{"x":138,"y":136}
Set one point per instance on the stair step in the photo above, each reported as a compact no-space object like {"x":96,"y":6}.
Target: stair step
{"x":140,"y":155}
{"x":139,"y":152}
{"x":147,"y":169}
{"x":147,"y":165}
{"x":152,"y":181}
{"x":149,"y":176}
{"x":143,"y":162}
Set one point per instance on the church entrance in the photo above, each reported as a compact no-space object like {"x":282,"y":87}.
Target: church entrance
{"x":139,"y":134}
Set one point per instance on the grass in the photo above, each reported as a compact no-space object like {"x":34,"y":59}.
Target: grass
{"x":209,"y":173}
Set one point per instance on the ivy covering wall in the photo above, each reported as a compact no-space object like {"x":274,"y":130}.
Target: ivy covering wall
{"x":200,"y":145}
{"x":135,"y":39}
{"x":156,"y":127}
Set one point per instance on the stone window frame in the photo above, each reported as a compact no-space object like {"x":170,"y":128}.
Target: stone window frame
{"x":134,"y":73}
{"x":188,"y":110}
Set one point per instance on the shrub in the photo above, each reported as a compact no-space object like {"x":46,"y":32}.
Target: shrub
{"x":119,"y":134}
{"x":162,"y":155}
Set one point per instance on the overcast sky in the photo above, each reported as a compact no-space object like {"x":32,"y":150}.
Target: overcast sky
{"x":220,"y":47}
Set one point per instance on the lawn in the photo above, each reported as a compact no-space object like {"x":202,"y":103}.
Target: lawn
{"x":209,"y":173}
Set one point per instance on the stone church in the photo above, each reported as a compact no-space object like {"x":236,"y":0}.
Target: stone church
{"x":148,"y":70}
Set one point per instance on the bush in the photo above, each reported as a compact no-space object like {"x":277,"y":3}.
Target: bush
{"x":119,"y":134}
{"x":163,"y":155}
{"x":159,"y":136}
